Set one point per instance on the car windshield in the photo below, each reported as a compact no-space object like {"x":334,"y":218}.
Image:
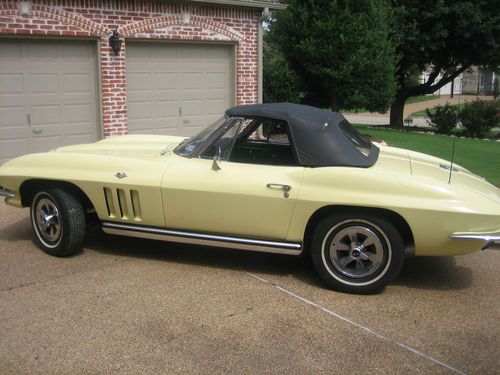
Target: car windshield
{"x":189,"y":146}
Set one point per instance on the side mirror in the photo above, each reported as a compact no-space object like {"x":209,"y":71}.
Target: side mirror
{"x":217,"y":158}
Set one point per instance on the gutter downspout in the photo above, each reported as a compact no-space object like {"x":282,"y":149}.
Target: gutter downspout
{"x":260,"y":53}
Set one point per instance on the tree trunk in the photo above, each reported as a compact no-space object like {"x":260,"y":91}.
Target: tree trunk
{"x":397,"y":111}
{"x":335,"y":102}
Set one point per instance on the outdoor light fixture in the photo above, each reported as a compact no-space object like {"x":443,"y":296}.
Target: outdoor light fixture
{"x":186,"y":18}
{"x":115,"y":43}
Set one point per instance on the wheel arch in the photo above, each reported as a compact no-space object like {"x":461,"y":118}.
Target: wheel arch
{"x":392,"y":217}
{"x":29,"y":188}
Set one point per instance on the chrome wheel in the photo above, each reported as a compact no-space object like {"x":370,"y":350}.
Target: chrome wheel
{"x":356,"y":251}
{"x":47,"y":220}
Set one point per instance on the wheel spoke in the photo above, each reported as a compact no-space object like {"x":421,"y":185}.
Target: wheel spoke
{"x":360,"y":267}
{"x":359,"y":244}
{"x":345,"y":261}
{"x":369,"y":241}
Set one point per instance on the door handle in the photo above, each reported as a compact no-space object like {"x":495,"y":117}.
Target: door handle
{"x":279,"y":186}
{"x":37,"y":131}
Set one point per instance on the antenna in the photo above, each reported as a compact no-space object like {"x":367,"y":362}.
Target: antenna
{"x":452,"y":157}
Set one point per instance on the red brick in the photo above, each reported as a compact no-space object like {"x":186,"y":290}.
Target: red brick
{"x":90,"y":21}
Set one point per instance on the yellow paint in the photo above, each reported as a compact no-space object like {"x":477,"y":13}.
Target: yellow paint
{"x":165,"y":190}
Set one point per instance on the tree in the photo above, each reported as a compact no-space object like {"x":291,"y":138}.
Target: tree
{"x":444,"y":38}
{"x":281,"y":84}
{"x":340,"y":50}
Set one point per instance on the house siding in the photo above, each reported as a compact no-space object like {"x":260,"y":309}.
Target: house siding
{"x":137,"y":20}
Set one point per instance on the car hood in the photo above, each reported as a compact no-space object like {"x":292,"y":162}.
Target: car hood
{"x":435,"y":171}
{"x":130,"y":146}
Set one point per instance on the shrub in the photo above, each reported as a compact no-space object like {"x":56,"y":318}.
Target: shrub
{"x":479,"y":117}
{"x":444,"y":118}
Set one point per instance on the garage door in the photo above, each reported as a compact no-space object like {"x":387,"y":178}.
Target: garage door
{"x":175,"y":88}
{"x":47,"y":95}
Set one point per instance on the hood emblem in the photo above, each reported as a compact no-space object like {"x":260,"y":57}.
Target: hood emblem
{"x":121,"y":175}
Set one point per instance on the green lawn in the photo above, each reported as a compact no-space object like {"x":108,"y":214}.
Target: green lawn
{"x":481,"y":157}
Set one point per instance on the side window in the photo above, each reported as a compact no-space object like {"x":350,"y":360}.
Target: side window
{"x":264,"y":141}
{"x":270,"y":131}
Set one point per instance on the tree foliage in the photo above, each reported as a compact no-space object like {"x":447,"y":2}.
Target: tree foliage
{"x":340,"y":50}
{"x":281,"y":84}
{"x":443,"y":37}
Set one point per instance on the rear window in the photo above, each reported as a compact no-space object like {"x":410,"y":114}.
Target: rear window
{"x":355,"y":138}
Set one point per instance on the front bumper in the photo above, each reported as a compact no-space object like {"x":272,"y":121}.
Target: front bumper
{"x":491,"y":241}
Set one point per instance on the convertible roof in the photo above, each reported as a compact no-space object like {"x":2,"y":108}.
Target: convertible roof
{"x":319,"y":136}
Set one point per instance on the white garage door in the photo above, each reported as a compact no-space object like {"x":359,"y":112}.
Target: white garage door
{"x":175,"y":88}
{"x":47,"y":95}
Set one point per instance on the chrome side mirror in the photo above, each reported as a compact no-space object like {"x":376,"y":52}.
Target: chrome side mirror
{"x":217,"y":159}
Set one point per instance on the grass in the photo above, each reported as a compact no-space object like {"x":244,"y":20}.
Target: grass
{"x":480,"y":157}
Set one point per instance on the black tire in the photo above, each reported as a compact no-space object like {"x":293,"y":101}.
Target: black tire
{"x":357,"y":254}
{"x":58,"y":221}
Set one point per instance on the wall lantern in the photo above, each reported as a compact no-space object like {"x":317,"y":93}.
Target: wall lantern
{"x":115,"y":43}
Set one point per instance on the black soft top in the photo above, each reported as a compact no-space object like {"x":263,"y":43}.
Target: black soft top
{"x":321,"y":138}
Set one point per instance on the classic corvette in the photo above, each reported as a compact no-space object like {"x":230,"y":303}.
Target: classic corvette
{"x":280,"y":178}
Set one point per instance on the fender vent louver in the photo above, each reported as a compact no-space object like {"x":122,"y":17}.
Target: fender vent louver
{"x":123,"y":204}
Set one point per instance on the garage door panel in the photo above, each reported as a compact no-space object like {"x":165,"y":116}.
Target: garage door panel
{"x":44,"y":143}
{"x":14,"y":116}
{"x":184,"y":79}
{"x":166,"y":109}
{"x":81,"y":113}
{"x":12,"y":147}
{"x":139,"y":110}
{"x":140,"y":81}
{"x":81,"y":83}
{"x":167,"y":81}
{"x":45,"y":87}
{"x":40,"y":51}
{"x":191,"y":53}
{"x":45,"y":115}
{"x":43,"y":83}
{"x":12,"y":84}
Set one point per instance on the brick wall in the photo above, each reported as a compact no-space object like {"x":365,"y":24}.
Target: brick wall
{"x":138,"y":19}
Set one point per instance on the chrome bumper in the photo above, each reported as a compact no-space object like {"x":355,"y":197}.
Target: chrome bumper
{"x":491,"y":240}
{"x":6,"y":193}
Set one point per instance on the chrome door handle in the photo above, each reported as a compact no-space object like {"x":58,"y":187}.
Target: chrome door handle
{"x":279,"y":186}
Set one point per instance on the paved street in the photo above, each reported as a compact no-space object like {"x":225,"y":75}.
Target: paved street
{"x":130,"y":306}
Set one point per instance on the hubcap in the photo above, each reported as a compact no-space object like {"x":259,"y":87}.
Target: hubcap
{"x":356,"y":251}
{"x":47,"y":220}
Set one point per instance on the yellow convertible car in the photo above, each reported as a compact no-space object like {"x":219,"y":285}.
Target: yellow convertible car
{"x":280,"y":178}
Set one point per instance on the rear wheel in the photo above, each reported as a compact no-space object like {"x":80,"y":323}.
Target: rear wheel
{"x":357,"y":254}
{"x":58,"y":220}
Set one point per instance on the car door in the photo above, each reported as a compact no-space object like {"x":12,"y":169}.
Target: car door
{"x":234,"y":198}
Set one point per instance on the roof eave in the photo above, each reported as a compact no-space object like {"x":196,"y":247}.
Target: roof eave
{"x":245,"y":3}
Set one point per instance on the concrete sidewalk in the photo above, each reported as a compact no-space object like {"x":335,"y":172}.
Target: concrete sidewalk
{"x":375,"y":118}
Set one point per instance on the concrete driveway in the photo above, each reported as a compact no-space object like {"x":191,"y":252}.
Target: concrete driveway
{"x":130,"y":306}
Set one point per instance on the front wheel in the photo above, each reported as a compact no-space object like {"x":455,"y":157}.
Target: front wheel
{"x":58,"y":220}
{"x":357,"y":254}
